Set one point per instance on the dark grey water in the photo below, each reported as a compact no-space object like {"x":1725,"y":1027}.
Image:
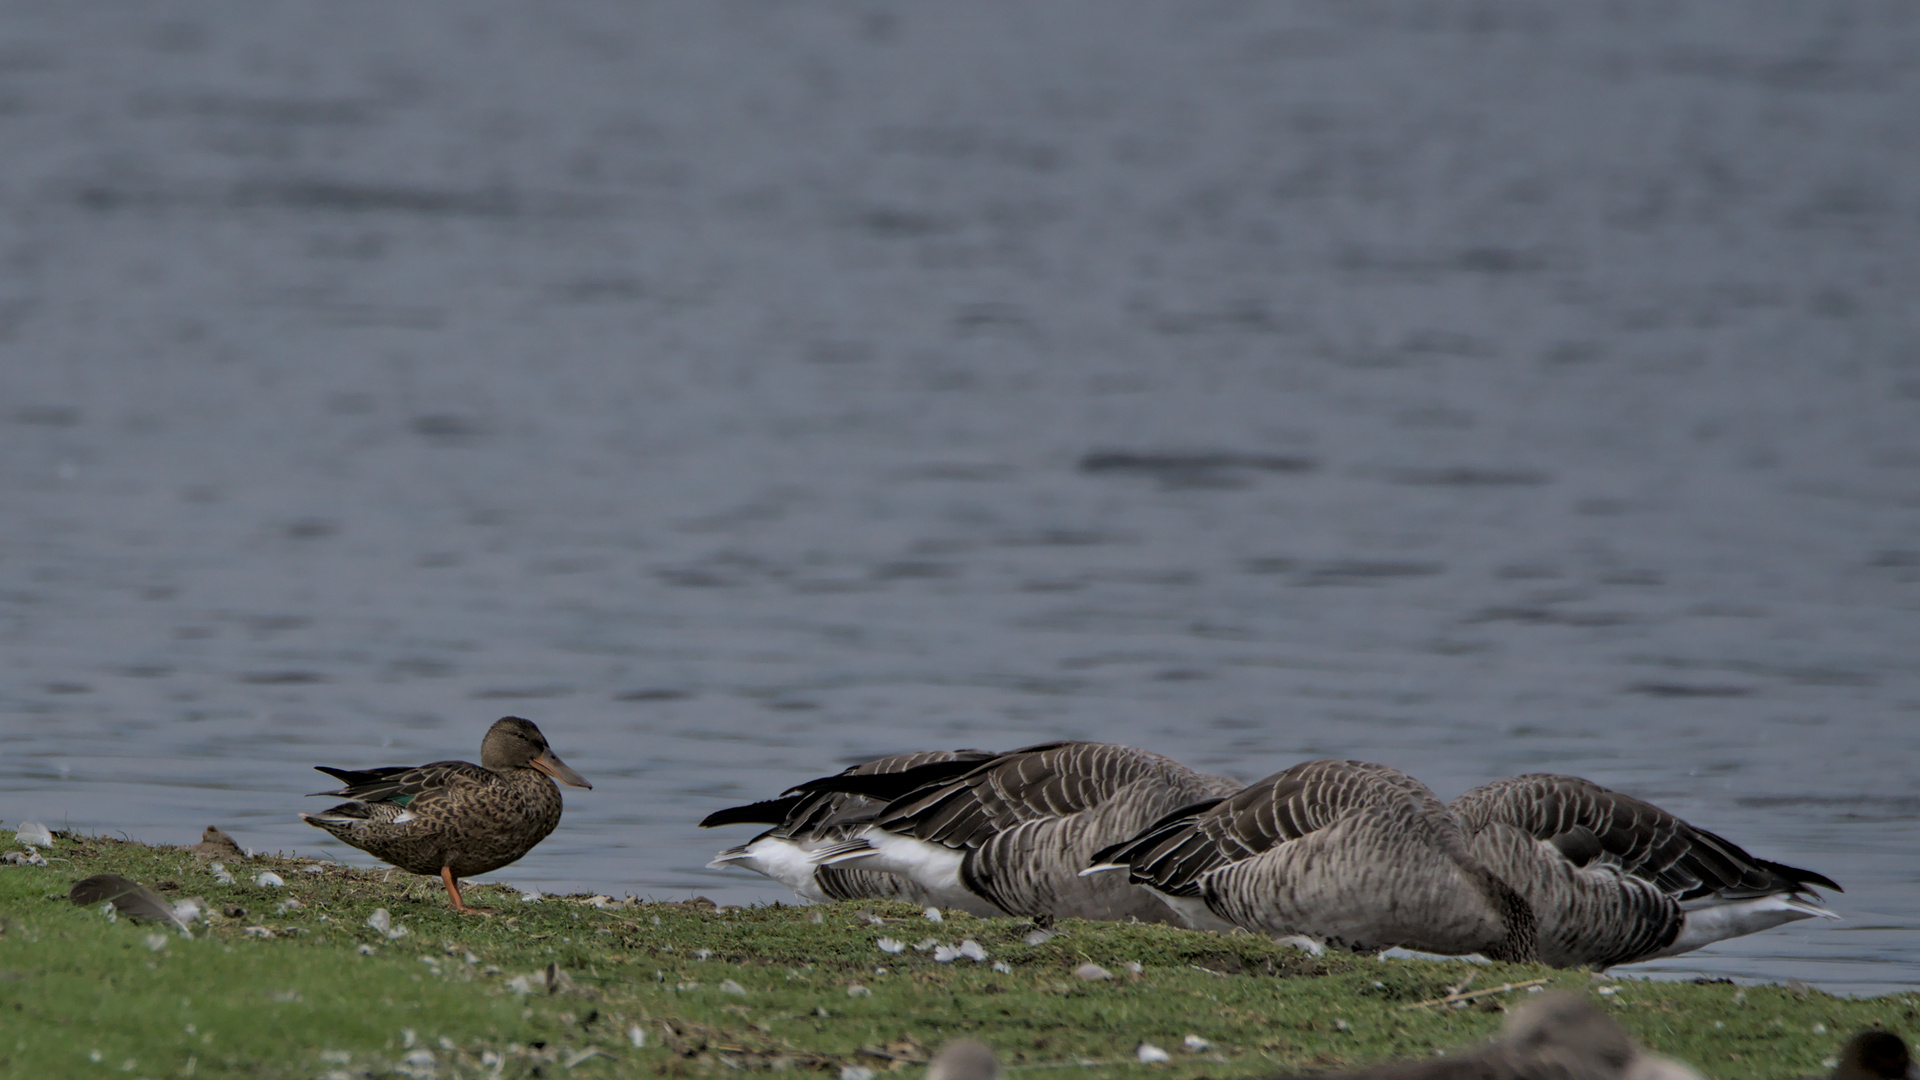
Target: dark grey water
{"x":741,"y":389}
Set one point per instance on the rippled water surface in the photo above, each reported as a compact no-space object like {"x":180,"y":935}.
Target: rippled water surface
{"x":739,"y":391}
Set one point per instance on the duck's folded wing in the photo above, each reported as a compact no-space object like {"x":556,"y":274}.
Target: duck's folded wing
{"x":403,"y":785}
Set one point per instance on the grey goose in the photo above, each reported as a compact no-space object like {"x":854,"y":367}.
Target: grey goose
{"x":1613,"y":880}
{"x":1010,"y":836}
{"x":806,"y":820}
{"x":1555,"y":1036}
{"x":1343,"y":853}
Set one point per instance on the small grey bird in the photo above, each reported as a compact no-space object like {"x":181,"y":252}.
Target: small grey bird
{"x":965,"y":1059}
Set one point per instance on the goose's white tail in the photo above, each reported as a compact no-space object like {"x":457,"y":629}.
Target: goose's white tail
{"x":934,"y":866}
{"x":784,"y":861}
{"x":1716,"y":920}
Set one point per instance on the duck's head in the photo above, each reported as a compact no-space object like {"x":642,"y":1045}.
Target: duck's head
{"x":513,"y":743}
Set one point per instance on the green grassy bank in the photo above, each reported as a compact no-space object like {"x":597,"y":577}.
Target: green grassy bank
{"x":561,"y":987}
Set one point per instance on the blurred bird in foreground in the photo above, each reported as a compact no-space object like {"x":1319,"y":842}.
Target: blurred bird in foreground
{"x":1875,"y":1055}
{"x":1556,"y":1036}
{"x":965,"y":1059}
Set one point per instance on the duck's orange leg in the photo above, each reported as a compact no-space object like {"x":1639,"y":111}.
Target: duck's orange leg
{"x":453,"y":892}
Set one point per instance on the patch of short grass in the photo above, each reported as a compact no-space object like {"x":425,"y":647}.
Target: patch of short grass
{"x":269,"y":989}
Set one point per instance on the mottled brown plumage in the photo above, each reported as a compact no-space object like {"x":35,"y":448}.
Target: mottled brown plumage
{"x":454,"y":819}
{"x":1346,"y":853}
{"x":215,"y":844}
{"x":1613,"y":879}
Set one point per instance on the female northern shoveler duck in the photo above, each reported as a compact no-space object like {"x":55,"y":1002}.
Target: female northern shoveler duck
{"x":454,"y":819}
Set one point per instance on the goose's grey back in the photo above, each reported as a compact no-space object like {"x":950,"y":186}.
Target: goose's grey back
{"x":1032,"y":819}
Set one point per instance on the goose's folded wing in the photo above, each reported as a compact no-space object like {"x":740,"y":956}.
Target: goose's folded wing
{"x":766,"y":812}
{"x":1586,"y":822}
{"x":818,"y":803}
{"x":1174,"y":853}
{"x":1053,"y":780}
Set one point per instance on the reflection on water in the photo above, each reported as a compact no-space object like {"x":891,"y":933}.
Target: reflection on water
{"x":741,"y":399}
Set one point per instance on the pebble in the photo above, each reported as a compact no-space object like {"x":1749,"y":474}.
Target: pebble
{"x":33,"y":834}
{"x":1092,"y":972}
{"x":1150,"y":1054}
{"x":383,"y":922}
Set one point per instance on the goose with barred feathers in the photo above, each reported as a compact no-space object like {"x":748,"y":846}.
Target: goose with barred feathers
{"x":1010,"y":836}
{"x":1614,"y":880}
{"x":805,"y":821}
{"x":1342,"y":853}
{"x":454,"y":819}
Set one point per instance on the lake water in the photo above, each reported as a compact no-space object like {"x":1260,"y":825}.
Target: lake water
{"x":742,"y":390}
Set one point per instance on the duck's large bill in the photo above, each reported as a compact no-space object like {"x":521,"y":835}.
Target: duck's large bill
{"x":559,"y":770}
